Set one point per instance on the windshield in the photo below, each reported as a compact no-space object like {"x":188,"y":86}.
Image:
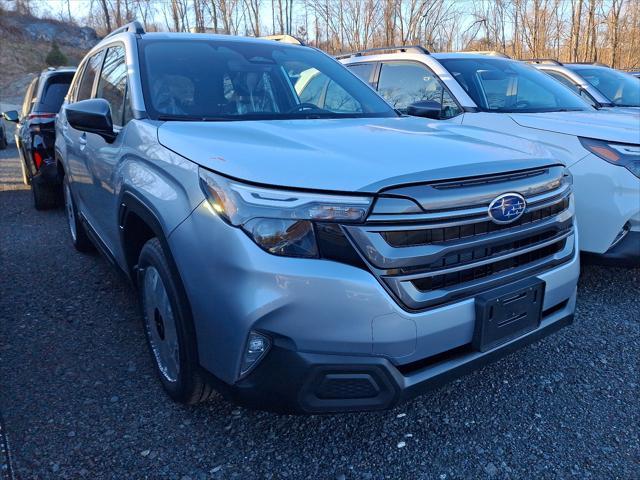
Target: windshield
{"x":497,"y":85}
{"x":220,"y":80}
{"x":620,"y":88}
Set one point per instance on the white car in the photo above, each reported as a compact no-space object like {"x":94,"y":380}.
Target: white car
{"x":600,"y":85}
{"x":602,"y":149}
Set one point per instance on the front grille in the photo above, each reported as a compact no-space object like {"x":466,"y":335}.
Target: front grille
{"x":470,"y":274}
{"x":408,"y":238}
{"x":434,"y":256}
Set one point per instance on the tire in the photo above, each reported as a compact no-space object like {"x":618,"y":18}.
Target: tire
{"x":168,"y":326}
{"x":45,"y":197}
{"x":79,"y":236}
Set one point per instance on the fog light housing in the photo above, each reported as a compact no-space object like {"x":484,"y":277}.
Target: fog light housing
{"x":621,"y":234}
{"x":257,"y":347}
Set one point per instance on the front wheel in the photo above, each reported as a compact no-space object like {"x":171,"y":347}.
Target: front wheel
{"x":169,"y":328}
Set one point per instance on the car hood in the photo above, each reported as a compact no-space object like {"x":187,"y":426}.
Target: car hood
{"x":597,"y":124}
{"x":347,"y":154}
{"x":624,"y":110}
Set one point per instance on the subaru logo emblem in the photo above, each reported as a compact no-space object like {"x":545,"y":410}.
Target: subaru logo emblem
{"x":507,"y":208}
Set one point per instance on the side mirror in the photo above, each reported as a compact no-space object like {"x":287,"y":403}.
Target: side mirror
{"x":92,"y":116}
{"x":426,"y":109}
{"x":11,"y":116}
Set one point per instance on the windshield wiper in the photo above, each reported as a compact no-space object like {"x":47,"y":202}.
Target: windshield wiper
{"x":193,"y":118}
{"x":179,"y":118}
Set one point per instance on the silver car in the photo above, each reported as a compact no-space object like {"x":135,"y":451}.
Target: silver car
{"x":298,"y":257}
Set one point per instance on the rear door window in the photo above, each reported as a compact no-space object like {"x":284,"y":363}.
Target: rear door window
{"x":112,"y":85}
{"x":362,"y":70}
{"x":53,"y":93}
{"x":563,"y":80}
{"x":85,"y":88}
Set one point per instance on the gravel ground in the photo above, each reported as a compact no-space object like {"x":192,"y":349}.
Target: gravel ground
{"x":80,"y":398}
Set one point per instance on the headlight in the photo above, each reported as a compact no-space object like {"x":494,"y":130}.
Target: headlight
{"x":279,"y":221}
{"x":623,"y":154}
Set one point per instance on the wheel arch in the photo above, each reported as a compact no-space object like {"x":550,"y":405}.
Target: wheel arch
{"x":138,"y":223}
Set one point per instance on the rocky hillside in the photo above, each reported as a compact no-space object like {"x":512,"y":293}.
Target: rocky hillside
{"x":24,"y":44}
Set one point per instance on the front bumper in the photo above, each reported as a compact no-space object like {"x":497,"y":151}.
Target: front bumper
{"x":607,"y":201}
{"x":320,"y":383}
{"x":625,"y":253}
{"x":322,"y":313}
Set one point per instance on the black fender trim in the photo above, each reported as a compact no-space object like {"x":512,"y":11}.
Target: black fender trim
{"x":131,"y":203}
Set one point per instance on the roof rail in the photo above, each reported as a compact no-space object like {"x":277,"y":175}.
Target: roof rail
{"x":539,"y":61}
{"x":492,"y":53}
{"x":284,"y":39}
{"x":133,"y":27}
{"x":371,"y":51}
{"x":600,"y":64}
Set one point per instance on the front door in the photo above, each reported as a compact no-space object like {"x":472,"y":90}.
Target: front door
{"x":101,"y":157}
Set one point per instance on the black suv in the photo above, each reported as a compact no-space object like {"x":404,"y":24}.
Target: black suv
{"x":35,"y":134}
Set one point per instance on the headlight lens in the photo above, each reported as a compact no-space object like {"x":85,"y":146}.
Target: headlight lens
{"x":279,"y":221}
{"x":623,"y":154}
{"x":291,"y":238}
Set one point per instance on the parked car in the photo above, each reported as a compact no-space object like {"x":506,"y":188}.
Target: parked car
{"x":299,"y":257}
{"x":35,"y":134}
{"x":3,"y":135}
{"x":605,"y":87}
{"x":602,"y":149}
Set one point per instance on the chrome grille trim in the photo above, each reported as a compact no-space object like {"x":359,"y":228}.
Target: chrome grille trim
{"x":415,"y":299}
{"x":455,"y":256}
{"x":500,"y":178}
{"x":381,"y":255}
{"x":536,"y":201}
{"x":432,"y":273}
{"x":450,"y":200}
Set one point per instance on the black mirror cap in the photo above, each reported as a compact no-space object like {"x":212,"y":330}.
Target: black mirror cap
{"x":426,"y":109}
{"x":92,"y":116}
{"x":11,"y":116}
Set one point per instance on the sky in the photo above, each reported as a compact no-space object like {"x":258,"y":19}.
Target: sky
{"x":80,"y":9}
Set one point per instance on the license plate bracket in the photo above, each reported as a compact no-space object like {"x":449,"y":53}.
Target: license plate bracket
{"x":507,"y":312}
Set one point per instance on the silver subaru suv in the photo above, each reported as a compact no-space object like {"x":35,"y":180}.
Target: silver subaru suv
{"x":298,"y":257}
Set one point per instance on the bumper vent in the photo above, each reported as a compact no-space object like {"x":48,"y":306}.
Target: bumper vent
{"x":347,"y":386}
